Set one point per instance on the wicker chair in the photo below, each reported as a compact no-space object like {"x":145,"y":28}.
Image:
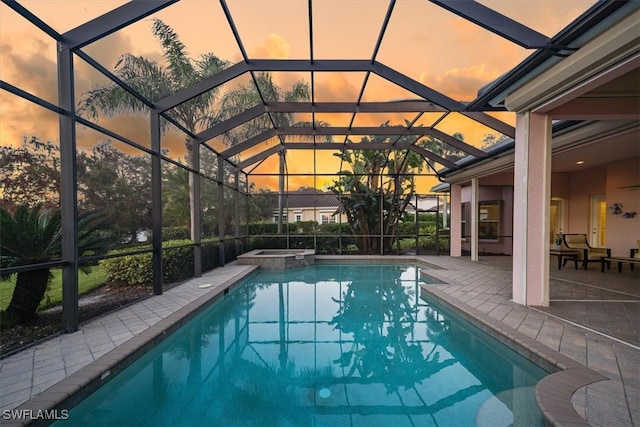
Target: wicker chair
{"x":587,"y":253}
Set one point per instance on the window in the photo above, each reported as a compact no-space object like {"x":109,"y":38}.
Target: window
{"x":298,"y":217}
{"x":275,"y":218}
{"x":328,"y":219}
{"x":489,"y":221}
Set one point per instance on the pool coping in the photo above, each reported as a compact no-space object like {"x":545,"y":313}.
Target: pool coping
{"x":553,"y":393}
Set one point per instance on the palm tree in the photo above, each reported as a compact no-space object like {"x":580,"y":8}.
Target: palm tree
{"x":442,"y":149}
{"x":34,"y":236}
{"x":175,"y":197}
{"x":243,"y":97}
{"x":156,"y":81}
{"x":381,"y":317}
{"x":264,"y":89}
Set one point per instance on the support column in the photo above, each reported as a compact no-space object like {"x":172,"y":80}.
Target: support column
{"x":221,"y":231}
{"x":474,"y":219}
{"x":456,"y":220}
{"x":532,"y":194}
{"x":445,"y":210}
{"x":156,"y":204}
{"x":68,"y":191}
{"x":196,"y":210}
{"x":281,"y":190}
{"x":236,"y":206}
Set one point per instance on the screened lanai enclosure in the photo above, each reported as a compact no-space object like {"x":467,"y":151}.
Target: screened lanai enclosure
{"x":165,"y":138}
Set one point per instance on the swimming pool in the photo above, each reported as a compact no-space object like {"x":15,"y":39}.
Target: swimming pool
{"x":325,"y":345}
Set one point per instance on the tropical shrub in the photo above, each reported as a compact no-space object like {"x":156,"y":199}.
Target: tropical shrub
{"x":427,"y":238}
{"x":262,"y":228}
{"x":375,"y":189}
{"x":34,"y":236}
{"x":177,"y":262}
{"x":136,"y":269}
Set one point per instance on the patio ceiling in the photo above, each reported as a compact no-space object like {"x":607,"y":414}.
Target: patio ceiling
{"x":384,"y":90}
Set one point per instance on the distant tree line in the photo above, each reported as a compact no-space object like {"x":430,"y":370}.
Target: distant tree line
{"x":118,"y":186}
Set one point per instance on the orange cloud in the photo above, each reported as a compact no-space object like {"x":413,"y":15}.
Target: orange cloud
{"x":274,"y":47}
{"x":460,"y":84}
{"x":338,"y":87}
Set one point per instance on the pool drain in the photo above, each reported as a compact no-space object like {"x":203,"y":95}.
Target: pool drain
{"x":324,"y":393}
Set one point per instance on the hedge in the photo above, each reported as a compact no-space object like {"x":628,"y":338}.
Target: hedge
{"x":175,"y":233}
{"x":177,"y":262}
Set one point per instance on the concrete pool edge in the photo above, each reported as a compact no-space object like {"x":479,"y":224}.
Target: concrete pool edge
{"x":68,"y":392}
{"x":553,"y":393}
{"x":382,"y":259}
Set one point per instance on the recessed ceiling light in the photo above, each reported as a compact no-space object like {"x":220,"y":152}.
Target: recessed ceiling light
{"x":579,"y":162}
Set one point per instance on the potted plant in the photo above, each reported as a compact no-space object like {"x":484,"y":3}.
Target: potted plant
{"x":558,"y":241}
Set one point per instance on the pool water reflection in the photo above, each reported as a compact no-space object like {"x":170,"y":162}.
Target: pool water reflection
{"x":324,"y":345}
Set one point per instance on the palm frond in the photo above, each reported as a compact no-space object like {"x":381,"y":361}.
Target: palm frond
{"x":27,"y":236}
{"x":300,"y":92}
{"x":142,"y":75}
{"x":34,"y":236}
{"x":175,"y":52}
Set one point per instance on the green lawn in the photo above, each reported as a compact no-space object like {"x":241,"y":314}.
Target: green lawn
{"x":86,"y":282}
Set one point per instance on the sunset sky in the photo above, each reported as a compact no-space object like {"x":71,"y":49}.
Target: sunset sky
{"x":422,"y":41}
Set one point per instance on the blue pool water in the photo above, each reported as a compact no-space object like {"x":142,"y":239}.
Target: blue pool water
{"x":330,"y":345}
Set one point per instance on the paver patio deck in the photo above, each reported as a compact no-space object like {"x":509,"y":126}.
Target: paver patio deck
{"x":607,"y":342}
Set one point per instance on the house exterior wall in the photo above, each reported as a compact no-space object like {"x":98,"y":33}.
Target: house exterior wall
{"x":576,"y":189}
{"x":582,"y":185}
{"x":560,"y":185}
{"x":312,"y":214}
{"x":503,"y":193}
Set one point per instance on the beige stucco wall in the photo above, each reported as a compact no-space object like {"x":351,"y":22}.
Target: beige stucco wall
{"x":582,"y":185}
{"x":560,"y":184}
{"x":504,"y":193}
{"x":622,"y":233}
{"x":576,"y":189}
{"x":311,"y":214}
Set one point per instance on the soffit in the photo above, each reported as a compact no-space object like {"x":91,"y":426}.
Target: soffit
{"x":596,"y":59}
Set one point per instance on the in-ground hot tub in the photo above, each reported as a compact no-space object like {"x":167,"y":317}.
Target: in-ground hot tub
{"x":278,"y":259}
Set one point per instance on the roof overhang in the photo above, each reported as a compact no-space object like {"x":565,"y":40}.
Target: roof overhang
{"x":566,"y":136}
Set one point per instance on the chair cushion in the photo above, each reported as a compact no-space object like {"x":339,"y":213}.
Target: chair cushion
{"x":596,"y":254}
{"x":578,"y":245}
{"x":576,"y":239}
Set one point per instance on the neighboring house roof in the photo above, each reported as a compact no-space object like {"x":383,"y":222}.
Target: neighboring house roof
{"x":308,"y":198}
